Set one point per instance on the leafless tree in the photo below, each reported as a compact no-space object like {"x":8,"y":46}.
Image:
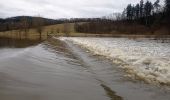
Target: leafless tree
{"x":66,"y":29}
{"x":24,"y":26}
{"x":38,"y":24}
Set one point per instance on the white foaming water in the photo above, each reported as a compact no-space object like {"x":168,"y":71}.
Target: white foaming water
{"x":147,"y":59}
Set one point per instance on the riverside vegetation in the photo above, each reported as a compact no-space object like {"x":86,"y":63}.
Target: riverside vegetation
{"x":144,"y":18}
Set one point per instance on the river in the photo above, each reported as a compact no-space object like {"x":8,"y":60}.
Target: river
{"x":56,"y":70}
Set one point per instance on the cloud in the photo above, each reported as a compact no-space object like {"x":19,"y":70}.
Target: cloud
{"x":62,"y":8}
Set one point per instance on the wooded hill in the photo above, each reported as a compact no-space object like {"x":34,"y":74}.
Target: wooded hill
{"x":22,"y":22}
{"x":142,"y":18}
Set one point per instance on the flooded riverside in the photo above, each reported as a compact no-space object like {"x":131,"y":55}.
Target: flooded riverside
{"x":57,"y":70}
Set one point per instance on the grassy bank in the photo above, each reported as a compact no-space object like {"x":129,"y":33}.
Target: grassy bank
{"x":33,"y":34}
{"x":69,"y":30}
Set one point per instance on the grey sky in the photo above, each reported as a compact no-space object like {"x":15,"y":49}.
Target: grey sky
{"x":62,"y":8}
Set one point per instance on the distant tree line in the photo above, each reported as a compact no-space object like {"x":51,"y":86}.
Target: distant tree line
{"x":144,"y":17}
{"x":27,"y":22}
{"x":98,"y":26}
{"x":24,"y":22}
{"x":141,"y":18}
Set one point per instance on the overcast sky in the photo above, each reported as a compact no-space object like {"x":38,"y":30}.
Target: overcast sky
{"x":62,"y":8}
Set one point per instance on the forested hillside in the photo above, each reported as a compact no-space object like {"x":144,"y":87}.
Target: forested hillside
{"x":141,"y":18}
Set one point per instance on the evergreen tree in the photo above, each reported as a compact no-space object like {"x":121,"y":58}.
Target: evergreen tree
{"x":147,"y":12}
{"x":133,"y":12}
{"x":167,"y":7}
{"x":137,"y":11}
{"x":129,"y":12}
{"x":148,"y":9}
{"x":141,"y":8}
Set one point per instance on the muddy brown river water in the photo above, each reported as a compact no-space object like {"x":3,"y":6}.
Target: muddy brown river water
{"x":55,"y":70}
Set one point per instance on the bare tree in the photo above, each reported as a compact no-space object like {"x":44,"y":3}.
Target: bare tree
{"x":157,"y":6}
{"x":20,"y":30}
{"x":66,"y":29}
{"x":38,"y":24}
{"x":25,"y":25}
